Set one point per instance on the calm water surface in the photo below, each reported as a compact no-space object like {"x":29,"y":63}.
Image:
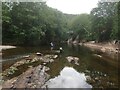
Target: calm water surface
{"x":103,"y":70}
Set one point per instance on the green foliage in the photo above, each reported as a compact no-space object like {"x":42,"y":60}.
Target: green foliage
{"x":81,"y":25}
{"x":30,"y":23}
{"x":118,"y":21}
{"x":104,"y":23}
{"x":116,"y":24}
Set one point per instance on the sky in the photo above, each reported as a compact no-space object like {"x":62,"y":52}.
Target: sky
{"x":73,"y":6}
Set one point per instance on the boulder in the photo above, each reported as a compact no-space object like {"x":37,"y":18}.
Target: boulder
{"x":71,"y":58}
{"x":97,"y":55}
{"x":39,"y":54}
{"x":27,"y":56}
{"x":51,"y":56}
{"x":55,"y":56}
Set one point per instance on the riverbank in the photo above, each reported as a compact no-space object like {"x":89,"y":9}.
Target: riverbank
{"x":104,"y":47}
{"x":6,"y":47}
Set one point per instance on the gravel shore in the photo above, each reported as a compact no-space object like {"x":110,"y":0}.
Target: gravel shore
{"x":104,"y":47}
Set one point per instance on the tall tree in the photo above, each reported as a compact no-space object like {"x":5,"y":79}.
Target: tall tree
{"x":102,"y":20}
{"x":80,"y":26}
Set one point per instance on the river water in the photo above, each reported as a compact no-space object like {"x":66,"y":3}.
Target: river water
{"x":101,"y":69}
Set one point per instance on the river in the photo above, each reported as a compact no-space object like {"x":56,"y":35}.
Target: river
{"x":102,"y":68}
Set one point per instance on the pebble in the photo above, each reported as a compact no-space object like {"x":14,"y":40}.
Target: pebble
{"x":95,"y":71}
{"x":51,"y":60}
{"x":39,"y":54}
{"x":14,"y":81}
{"x":11,"y":86}
{"x":44,"y":63}
{"x":87,"y":71}
{"x":71,"y":58}
{"x":34,"y":86}
{"x":76,"y":63}
{"x":101,"y":73}
{"x":55,"y":56}
{"x":28,"y":81}
{"x":47,"y":68}
{"x":96,"y":78}
{"x":26,"y":56}
{"x":88,"y":78}
{"x":105,"y":75}
{"x":28,"y":77}
{"x":30,"y":66}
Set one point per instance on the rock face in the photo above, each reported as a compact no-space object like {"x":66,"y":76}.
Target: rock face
{"x":32,"y":78}
{"x":71,"y":58}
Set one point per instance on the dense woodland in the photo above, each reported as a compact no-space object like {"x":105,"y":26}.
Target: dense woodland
{"x":31,"y":23}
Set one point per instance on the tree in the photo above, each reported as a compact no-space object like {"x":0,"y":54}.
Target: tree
{"x":102,"y":20}
{"x":30,"y":23}
{"x":80,"y":25}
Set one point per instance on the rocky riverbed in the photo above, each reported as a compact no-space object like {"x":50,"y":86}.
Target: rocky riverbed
{"x":33,"y":77}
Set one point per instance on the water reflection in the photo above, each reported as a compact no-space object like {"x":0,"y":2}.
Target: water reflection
{"x":68,"y":78}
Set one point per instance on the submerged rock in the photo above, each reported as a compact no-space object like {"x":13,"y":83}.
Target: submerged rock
{"x":97,"y":55}
{"x":87,"y":71}
{"x":34,"y":60}
{"x":51,"y":60}
{"x":39,"y":54}
{"x":27,"y":56}
{"x":44,"y":63}
{"x":55,"y":56}
{"x":71,"y":58}
{"x":19,"y":63}
{"x":47,"y":60}
{"x":88,"y":78}
{"x":51,"y":56}
{"x":10,"y":71}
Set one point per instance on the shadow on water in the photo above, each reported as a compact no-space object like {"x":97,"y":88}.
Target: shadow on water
{"x":103,"y":71}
